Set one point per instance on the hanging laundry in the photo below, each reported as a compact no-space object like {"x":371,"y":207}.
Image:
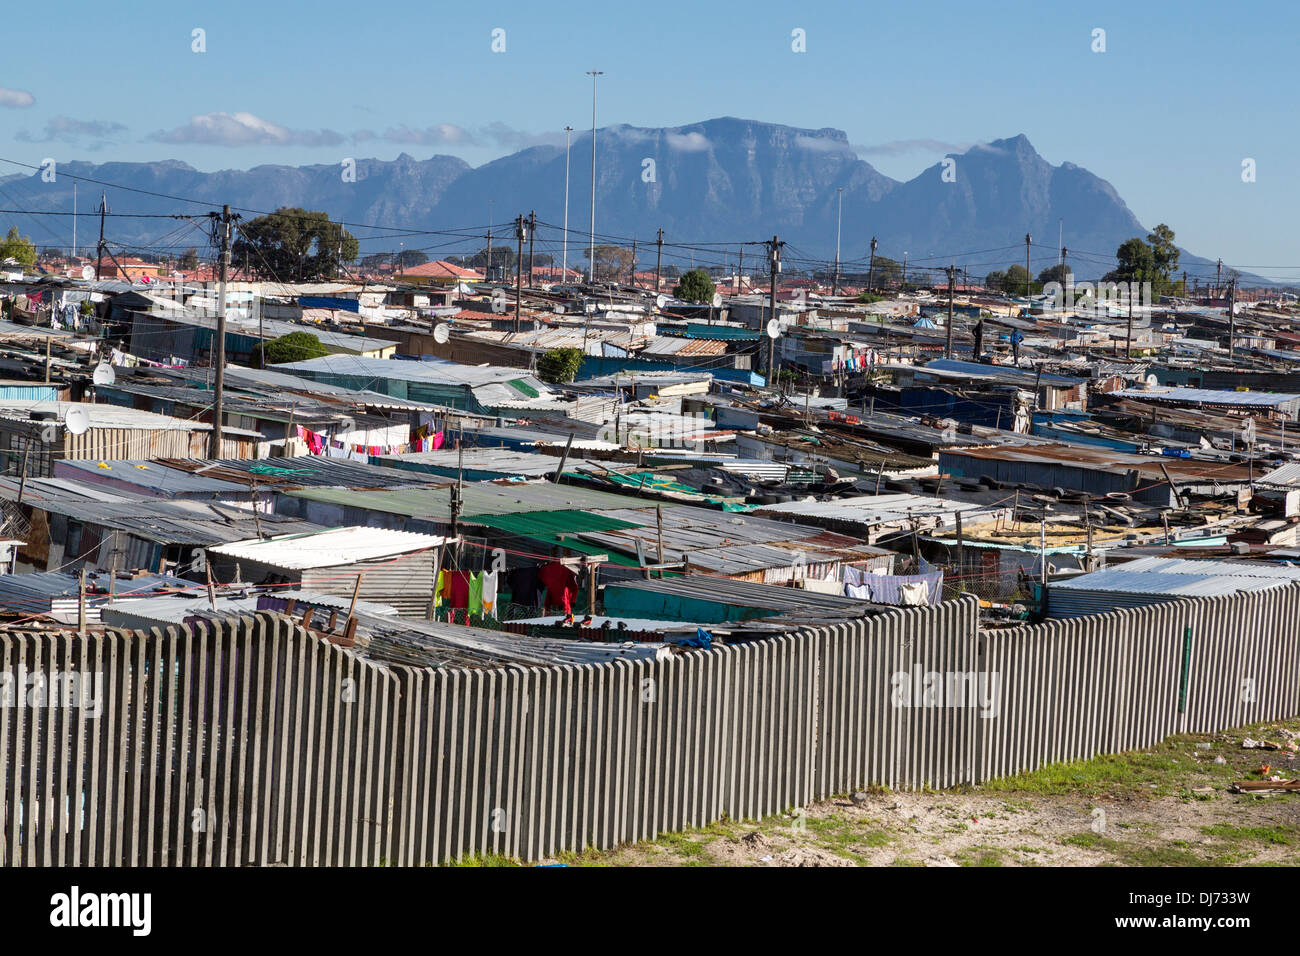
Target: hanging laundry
{"x":523,"y":585}
{"x":437,"y":589}
{"x":489,"y":592}
{"x":561,"y":585}
{"x":438,"y":439}
{"x":475,"y":601}
{"x":455,"y":589}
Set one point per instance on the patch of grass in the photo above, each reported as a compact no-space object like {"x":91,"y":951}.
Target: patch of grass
{"x":485,"y":859}
{"x":981,"y":856}
{"x":1277,"y":835}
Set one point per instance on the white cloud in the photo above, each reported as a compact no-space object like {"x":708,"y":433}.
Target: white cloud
{"x":243,"y":129}
{"x":65,"y":129}
{"x":899,"y":146}
{"x":16,"y":99}
{"x":821,"y":144}
{"x":688,"y":142}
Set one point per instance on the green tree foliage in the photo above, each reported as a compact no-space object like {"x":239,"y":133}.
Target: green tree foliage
{"x":886,"y":273}
{"x":409,"y":258}
{"x":995,"y":281}
{"x":1163,"y":250}
{"x":19,"y":248}
{"x":559,"y":366}
{"x":1056,"y":273}
{"x":189,"y":260}
{"x":294,"y":347}
{"x":695,"y":286}
{"x":1136,"y":262}
{"x":294,"y":245}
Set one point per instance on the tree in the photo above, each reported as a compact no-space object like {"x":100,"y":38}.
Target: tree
{"x":408,"y":258}
{"x":1163,"y":250}
{"x":696,"y":286}
{"x":995,"y":281}
{"x":1136,"y":262}
{"x":611,"y":263}
{"x":293,"y":244}
{"x":886,"y":273}
{"x":559,"y":366}
{"x":294,"y":347}
{"x":19,"y":248}
{"x":189,"y":260}
{"x":1057,"y":273}
{"x":1017,"y":277}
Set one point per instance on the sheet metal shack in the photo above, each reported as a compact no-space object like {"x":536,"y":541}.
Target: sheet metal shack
{"x":34,"y":435}
{"x":396,"y":568}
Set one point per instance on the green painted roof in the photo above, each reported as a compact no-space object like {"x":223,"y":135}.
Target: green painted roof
{"x":559,"y":528}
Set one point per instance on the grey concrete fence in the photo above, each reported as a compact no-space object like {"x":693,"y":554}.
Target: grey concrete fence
{"x":252,"y":742}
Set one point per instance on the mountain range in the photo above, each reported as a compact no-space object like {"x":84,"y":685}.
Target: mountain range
{"x":722,"y":181}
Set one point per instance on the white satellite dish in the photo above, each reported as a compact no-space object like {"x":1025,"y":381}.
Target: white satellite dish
{"x":104,"y":374}
{"x":77,"y":420}
{"x":50,"y":434}
{"x":1152,"y":381}
{"x":346,"y":424}
{"x":661,"y":300}
{"x":87,"y":272}
{"x":717,"y":299}
{"x":441,"y":333}
{"x":773,"y":329}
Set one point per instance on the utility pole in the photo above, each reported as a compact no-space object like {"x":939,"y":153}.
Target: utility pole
{"x":904,"y":270}
{"x":74,"y":220}
{"x":489,"y":245}
{"x":591,"y":249}
{"x":1128,"y":336}
{"x":839,"y":221}
{"x":947,"y":347}
{"x":1218,"y":278}
{"x":871,"y":269}
{"x":532,"y":231}
{"x":740,"y":268}
{"x":1028,"y":275}
{"x":564,"y":241}
{"x":99,"y":250}
{"x":219,"y":370}
{"x":659,"y":259}
{"x":1232,"y":320}
{"x":774,"y":248}
{"x":520,"y":229}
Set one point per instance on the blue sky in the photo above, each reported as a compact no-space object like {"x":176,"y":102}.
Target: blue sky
{"x":1182,"y":94}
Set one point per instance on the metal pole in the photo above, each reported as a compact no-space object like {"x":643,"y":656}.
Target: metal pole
{"x":564,"y":241}
{"x":839,"y":221}
{"x":591,"y":248}
{"x":219,"y":372}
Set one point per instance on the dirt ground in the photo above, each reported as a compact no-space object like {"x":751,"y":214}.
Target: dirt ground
{"x":1170,"y":805}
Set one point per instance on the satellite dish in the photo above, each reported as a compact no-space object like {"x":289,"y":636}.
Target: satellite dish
{"x":104,"y":374}
{"x":717,"y":299}
{"x":559,"y":310}
{"x":1152,"y":381}
{"x":87,"y":272}
{"x":773,"y":329}
{"x":77,"y":420}
{"x":346,"y":424}
{"x":661,"y":300}
{"x":441,"y":333}
{"x":50,"y":434}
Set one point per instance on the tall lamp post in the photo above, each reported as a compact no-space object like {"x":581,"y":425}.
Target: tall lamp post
{"x":564,"y":255}
{"x":839,"y":221}
{"x":591,"y":248}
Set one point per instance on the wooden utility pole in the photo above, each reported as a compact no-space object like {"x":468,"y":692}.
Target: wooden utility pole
{"x":219,"y":346}
{"x":532,"y":232}
{"x":659,"y":259}
{"x":99,"y":249}
{"x":775,"y":250}
{"x":520,"y":230}
{"x":871,"y":269}
{"x":1028,"y":275}
{"x":947,"y":347}
{"x":1232,"y":320}
{"x":633,"y":275}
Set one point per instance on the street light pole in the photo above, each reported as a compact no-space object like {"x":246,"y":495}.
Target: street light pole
{"x":839,"y":221}
{"x":591,"y":247}
{"x":564,"y":255}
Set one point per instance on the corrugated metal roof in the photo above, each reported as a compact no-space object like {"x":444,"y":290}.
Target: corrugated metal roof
{"x":1207,"y":396}
{"x":335,"y":547}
